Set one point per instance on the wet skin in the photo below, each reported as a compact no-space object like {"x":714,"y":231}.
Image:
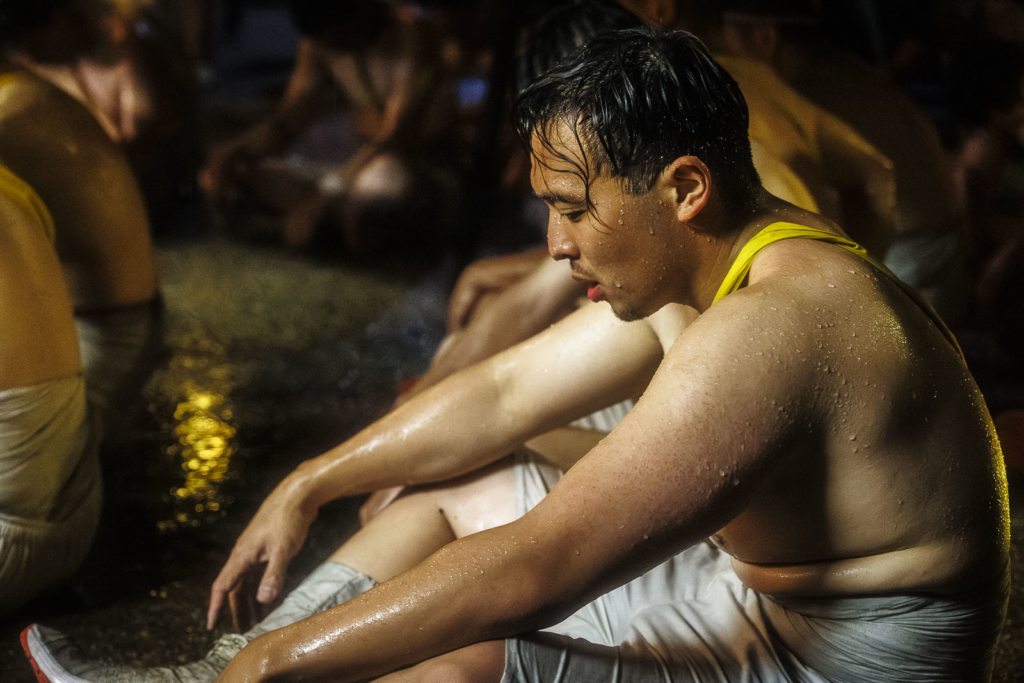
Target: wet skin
{"x":55,"y":145}
{"x":37,"y":332}
{"x":815,"y":423}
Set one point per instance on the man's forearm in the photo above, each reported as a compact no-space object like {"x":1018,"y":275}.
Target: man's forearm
{"x":470,"y":591}
{"x":419,"y":442}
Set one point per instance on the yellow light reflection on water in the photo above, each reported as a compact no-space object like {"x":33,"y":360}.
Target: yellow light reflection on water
{"x":204,"y":444}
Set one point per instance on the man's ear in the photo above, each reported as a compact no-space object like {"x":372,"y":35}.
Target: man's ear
{"x":688,"y":183}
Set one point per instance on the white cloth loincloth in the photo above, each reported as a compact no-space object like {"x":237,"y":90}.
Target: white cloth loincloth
{"x":607,"y":419}
{"x":50,"y":486}
{"x":119,"y":349}
{"x":692,"y":620}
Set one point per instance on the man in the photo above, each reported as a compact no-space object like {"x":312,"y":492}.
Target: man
{"x":50,"y":491}
{"x":102,"y":231}
{"x":387,"y":61}
{"x":817,"y":424}
{"x":802,"y":153}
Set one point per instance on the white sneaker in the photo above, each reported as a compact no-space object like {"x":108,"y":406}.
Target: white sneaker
{"x":57,"y":659}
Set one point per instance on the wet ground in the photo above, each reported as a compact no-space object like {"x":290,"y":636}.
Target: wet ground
{"x":273,"y":358}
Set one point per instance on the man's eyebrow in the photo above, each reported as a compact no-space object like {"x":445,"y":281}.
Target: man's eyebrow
{"x":553,"y":196}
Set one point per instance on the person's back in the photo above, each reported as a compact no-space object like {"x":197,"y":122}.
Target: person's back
{"x":102,"y":229}
{"x":49,"y":478}
{"x":925,"y":253}
{"x":54,"y":144}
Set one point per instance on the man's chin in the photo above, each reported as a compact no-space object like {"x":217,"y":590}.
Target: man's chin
{"x":627,"y":313}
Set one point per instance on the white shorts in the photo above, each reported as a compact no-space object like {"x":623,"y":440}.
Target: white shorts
{"x":50,"y":487}
{"x":690,"y":619}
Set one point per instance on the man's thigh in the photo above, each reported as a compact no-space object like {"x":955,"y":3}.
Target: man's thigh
{"x":479,"y":663}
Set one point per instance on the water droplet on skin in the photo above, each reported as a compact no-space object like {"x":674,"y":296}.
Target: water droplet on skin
{"x":831,"y":286}
{"x":853,"y":437}
{"x":721,"y":473}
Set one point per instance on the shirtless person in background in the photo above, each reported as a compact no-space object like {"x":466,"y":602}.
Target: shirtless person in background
{"x":50,"y":492}
{"x":387,"y":62}
{"x":56,"y":146}
{"x":814,"y":421}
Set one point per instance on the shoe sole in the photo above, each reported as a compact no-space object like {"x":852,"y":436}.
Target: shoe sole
{"x":45,"y":668}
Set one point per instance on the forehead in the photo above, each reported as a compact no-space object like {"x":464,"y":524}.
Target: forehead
{"x":558,"y":162}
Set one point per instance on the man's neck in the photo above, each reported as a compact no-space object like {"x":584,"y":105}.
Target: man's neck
{"x":717,"y":253}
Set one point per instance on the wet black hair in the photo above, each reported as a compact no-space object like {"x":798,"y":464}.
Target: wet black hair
{"x":20,"y":18}
{"x":565,"y":29}
{"x":362,"y":18}
{"x":638,"y":99}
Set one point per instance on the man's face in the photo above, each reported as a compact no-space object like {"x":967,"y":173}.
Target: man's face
{"x":622,"y":247}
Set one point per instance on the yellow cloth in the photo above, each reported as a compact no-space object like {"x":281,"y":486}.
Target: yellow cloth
{"x":776,"y":232}
{"x":16,"y":189}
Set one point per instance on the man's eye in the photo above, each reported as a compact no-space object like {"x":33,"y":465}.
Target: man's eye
{"x":574,"y":216}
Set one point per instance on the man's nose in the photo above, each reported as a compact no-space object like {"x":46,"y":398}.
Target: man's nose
{"x":560,"y":244}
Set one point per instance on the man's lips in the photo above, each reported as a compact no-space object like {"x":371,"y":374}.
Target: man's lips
{"x":593,"y":288}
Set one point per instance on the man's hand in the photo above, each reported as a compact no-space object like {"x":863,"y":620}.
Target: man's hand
{"x":487,"y":276}
{"x":254,"y":573}
{"x":231,"y":161}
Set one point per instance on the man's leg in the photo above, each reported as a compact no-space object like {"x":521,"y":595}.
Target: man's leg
{"x":414,"y":527}
{"x":428,"y":517}
{"x":480,"y":663}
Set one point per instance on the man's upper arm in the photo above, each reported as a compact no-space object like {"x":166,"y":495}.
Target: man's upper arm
{"x":683,"y":463}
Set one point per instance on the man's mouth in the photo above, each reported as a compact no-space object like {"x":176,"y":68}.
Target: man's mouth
{"x":593,"y":288}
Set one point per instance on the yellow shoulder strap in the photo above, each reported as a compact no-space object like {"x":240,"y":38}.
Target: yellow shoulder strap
{"x":786,"y":231}
{"x":17,"y":190}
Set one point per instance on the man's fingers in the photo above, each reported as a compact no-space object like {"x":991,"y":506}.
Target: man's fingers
{"x":225,"y":582}
{"x":273,"y":579}
{"x":216,"y":602}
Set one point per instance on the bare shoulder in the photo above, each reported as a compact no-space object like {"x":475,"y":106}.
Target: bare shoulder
{"x":27,"y":96}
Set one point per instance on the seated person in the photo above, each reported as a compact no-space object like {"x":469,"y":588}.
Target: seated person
{"x":50,"y":490}
{"x":544,"y":290}
{"x":927,"y":253}
{"x":386,"y":59}
{"x":803,"y":155}
{"x":102,"y":231}
{"x":809,"y":489}
{"x":93,"y":61}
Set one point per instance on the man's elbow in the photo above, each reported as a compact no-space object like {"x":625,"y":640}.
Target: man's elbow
{"x":528,"y":596}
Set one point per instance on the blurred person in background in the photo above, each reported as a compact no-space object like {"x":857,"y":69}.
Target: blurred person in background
{"x":50,"y":487}
{"x":399,"y":179}
{"x":927,"y":252}
{"x":53,"y":143}
{"x":986,"y":83}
